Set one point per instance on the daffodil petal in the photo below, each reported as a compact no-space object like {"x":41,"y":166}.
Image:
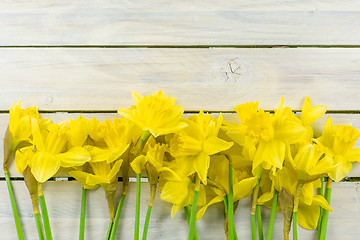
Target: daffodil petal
{"x":291,"y":132}
{"x":244,"y":188}
{"x":93,"y":180}
{"x":321,"y":201}
{"x":98,"y":154}
{"x":201,"y":165}
{"x":307,"y":193}
{"x":115,"y":170}
{"x":75,"y":156}
{"x":22,"y":159}
{"x":138,"y":164}
{"x":37,"y":138}
{"x":310,"y":114}
{"x":174,"y":192}
{"x":81,"y":177}
{"x":117,"y":153}
{"x":214,"y":145}
{"x":341,"y":170}
{"x":44,"y":166}
{"x":308,"y":216}
{"x":176,"y":208}
{"x":202,"y":210}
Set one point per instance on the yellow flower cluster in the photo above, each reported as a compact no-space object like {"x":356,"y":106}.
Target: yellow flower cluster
{"x":189,"y":158}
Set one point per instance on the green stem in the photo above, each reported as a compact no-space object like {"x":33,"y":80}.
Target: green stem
{"x":147,"y":220}
{"x":82,"y":214}
{"x":39,"y":226}
{"x":272,"y":216}
{"x":137,"y":210}
{"x":255,"y":196}
{"x":117,"y":216}
{"x":193,"y":209}
{"x":294,"y":219}
{"x":188,"y":213}
{"x":226,"y":204}
{"x":109,"y":230}
{"x":253,"y":227}
{"x":45,"y":217}
{"x":321,"y":193}
{"x":231,"y":203}
{"x":14,"y":208}
{"x":324,"y":221}
{"x":295,"y":209}
{"x":259,"y":222}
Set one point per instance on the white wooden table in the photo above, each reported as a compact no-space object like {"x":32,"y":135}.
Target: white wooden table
{"x":83,"y":57}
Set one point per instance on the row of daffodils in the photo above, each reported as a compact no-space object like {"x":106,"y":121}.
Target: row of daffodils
{"x":194,"y":162}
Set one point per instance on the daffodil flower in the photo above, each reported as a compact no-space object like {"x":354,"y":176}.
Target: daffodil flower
{"x":269,"y":133}
{"x":194,"y":144}
{"x":20,"y":129}
{"x":178,"y":189}
{"x":49,"y":152}
{"x":243,"y":182}
{"x":155,"y":113}
{"x":105,"y":174}
{"x":339,"y":142}
{"x":311,"y":162}
{"x":117,"y":138}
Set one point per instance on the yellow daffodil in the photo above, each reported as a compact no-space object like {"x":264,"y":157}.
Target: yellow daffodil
{"x":269,"y":133}
{"x":49,"y":152}
{"x":117,"y":136}
{"x":20,"y":122}
{"x":243,"y":183}
{"x":155,"y":113}
{"x":311,"y":162}
{"x":310,"y":114}
{"x":78,"y":131}
{"x":308,"y":204}
{"x":193,"y":145}
{"x":105,"y":174}
{"x":19,"y":129}
{"x":152,"y":162}
{"x":339,"y":142}
{"x":178,"y":189}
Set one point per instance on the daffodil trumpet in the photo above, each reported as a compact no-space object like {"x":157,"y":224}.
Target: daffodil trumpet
{"x":82,"y":214}
{"x":193,"y":208}
{"x":325,"y":216}
{"x":44,"y":213}
{"x":270,"y":230}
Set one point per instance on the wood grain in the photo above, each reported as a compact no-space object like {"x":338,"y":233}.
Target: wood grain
{"x":179,"y":23}
{"x":58,"y":117}
{"x":63,"y":202}
{"x":213,"y":79}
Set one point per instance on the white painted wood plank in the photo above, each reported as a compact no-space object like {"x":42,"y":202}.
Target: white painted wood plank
{"x":63,"y":202}
{"x":212,"y":79}
{"x":160,"y":22}
{"x":58,"y":117}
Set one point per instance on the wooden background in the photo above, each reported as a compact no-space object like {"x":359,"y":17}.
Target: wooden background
{"x":83,"y":57}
